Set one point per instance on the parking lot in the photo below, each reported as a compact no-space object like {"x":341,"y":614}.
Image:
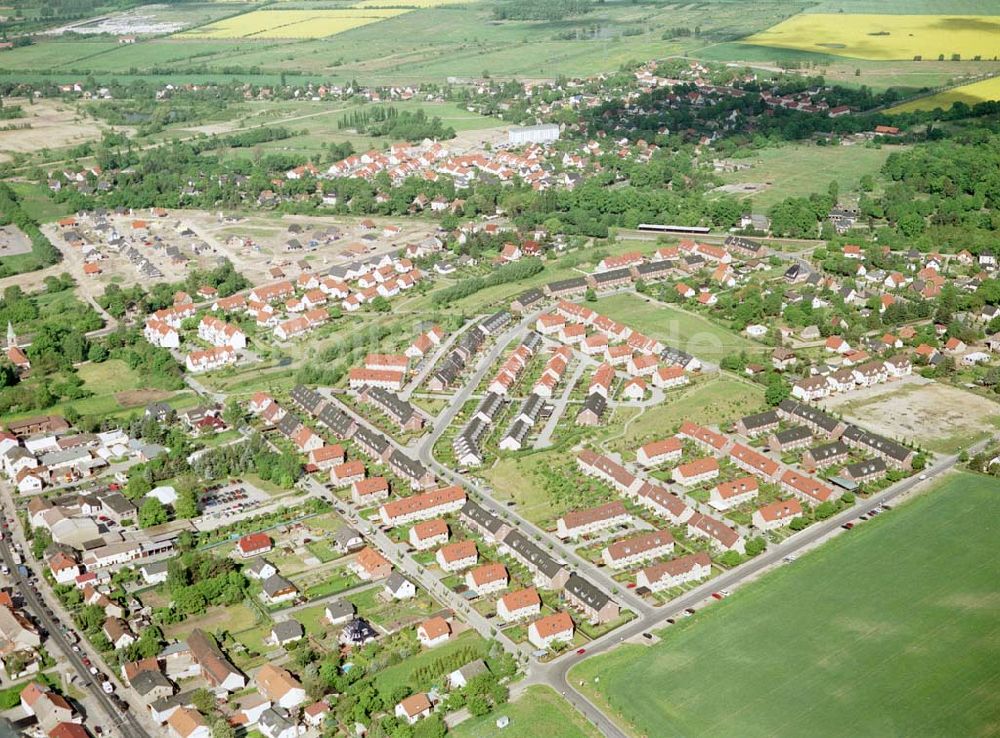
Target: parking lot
{"x":227,"y":500}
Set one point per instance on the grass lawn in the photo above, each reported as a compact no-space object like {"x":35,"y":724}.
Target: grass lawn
{"x":310,"y":618}
{"x":712,"y":402}
{"x":387,"y":681}
{"x":539,"y":711}
{"x":115,"y":390}
{"x":513,"y":478}
{"x":322,"y":551}
{"x":797,"y":170}
{"x":683,"y":330}
{"x":862,"y":637}
{"x":338,"y":580}
{"x":235,"y":619}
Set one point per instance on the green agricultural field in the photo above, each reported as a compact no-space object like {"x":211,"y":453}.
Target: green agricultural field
{"x":687,"y":331}
{"x":891,"y":629}
{"x":539,"y":711}
{"x":797,"y":170}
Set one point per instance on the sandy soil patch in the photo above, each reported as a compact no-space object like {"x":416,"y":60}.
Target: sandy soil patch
{"x":49,"y":124}
{"x":13,"y":241}
{"x":131,"y":398}
{"x":937,"y":416}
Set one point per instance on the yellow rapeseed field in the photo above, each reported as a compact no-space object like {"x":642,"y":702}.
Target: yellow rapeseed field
{"x":408,"y":3}
{"x":267,"y":24}
{"x":988,"y":89}
{"x":877,"y":37}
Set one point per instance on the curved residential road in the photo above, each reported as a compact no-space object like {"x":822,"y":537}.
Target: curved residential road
{"x":425,"y":453}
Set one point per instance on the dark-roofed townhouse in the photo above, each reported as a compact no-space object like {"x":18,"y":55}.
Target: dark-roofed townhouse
{"x":789,"y":439}
{"x":894,"y":454}
{"x":758,"y":424}
{"x":611,"y":279}
{"x":828,"y":454}
{"x":309,"y":400}
{"x":546,"y":571}
{"x":398,"y":410}
{"x":566,"y":287}
{"x":527,"y":300}
{"x":372,"y":443}
{"x":864,"y":471}
{"x":596,"y":605}
{"x":340,"y":423}
{"x":412,"y":471}
{"x":652,"y":271}
{"x":486,"y":523}
{"x":821,"y":423}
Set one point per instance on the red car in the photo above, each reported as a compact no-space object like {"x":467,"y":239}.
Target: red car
{"x":581,"y":651}
{"x":717,"y":595}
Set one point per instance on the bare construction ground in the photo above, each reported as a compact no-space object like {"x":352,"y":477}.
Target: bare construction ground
{"x":48,"y":124}
{"x":938,"y":417}
{"x":183,"y":240}
{"x":13,"y":241}
{"x":257,"y":243}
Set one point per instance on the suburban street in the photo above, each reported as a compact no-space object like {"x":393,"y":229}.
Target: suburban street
{"x":123,"y":721}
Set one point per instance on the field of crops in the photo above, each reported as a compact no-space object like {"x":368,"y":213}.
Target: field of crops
{"x":863,"y":637}
{"x":988,"y":89}
{"x":409,"y":3}
{"x":266,"y":24}
{"x":880,"y":36}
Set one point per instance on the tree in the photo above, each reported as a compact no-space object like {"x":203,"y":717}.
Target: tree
{"x":380,"y":305}
{"x":152,"y":512}
{"x":755,"y":546}
{"x":90,"y":618}
{"x":222,"y":729}
{"x":590,"y":295}
{"x":778,"y":389}
{"x":150,"y":642}
{"x":186,"y":506}
{"x":798,"y":523}
{"x":478,"y":705}
{"x":41,"y":541}
{"x":203,"y":701}
{"x":730,"y":559}
{"x":825,"y":510}
{"x":232,"y":413}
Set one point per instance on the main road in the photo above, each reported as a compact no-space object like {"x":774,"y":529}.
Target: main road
{"x":124,"y":721}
